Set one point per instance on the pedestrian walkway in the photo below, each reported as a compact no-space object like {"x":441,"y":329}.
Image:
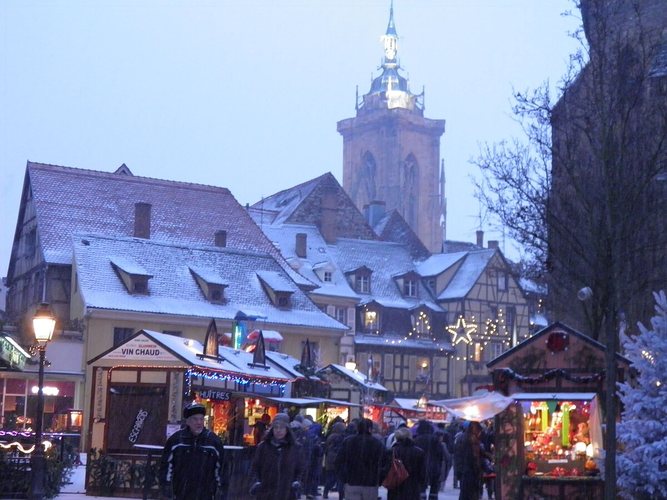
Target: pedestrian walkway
{"x":76,"y":490}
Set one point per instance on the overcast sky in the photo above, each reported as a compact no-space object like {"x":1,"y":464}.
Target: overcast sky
{"x":246,"y":94}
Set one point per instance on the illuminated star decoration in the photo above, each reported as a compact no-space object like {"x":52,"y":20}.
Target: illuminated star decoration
{"x":462,"y":331}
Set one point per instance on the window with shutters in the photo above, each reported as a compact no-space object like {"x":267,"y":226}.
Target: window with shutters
{"x":341,"y":315}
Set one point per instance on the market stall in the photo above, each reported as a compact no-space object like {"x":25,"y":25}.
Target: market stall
{"x":549,"y":441}
{"x":140,"y":387}
{"x":355,"y":387}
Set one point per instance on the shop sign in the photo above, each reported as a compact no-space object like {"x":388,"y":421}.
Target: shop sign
{"x":138,"y":425}
{"x":215,"y":395}
{"x":141,"y":348}
{"x":10,"y":356}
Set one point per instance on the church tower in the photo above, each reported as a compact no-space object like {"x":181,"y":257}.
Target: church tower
{"x":391,"y":151}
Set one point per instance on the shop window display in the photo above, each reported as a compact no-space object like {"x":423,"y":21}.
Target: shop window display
{"x":558,"y":438}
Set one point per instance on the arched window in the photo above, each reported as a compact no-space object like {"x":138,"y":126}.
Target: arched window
{"x":411,"y":190}
{"x":363,"y":191}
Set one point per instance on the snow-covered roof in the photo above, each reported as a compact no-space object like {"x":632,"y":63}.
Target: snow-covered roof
{"x":276,"y":281}
{"x":232,"y":360}
{"x":408,"y":404}
{"x":439,"y":263}
{"x":385,"y":260}
{"x":70,"y":200}
{"x":128,"y":265}
{"x":539,"y":320}
{"x":208,"y":275}
{"x":421,"y":344}
{"x":318,"y":256}
{"x":285,"y":362}
{"x":467,"y":274}
{"x":173,"y":289}
{"x":283,"y":204}
{"x":356,"y":376}
{"x":530,"y":286}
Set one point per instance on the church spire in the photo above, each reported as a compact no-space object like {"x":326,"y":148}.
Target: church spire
{"x":390,"y":40}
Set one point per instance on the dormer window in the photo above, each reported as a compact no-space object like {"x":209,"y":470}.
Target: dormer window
{"x":210,"y":283}
{"x":324,"y":271}
{"x":133,"y":275}
{"x":277,"y":287}
{"x":408,"y":284}
{"x":360,"y":279}
{"x":371,"y":321}
{"x":141,"y":285}
{"x":410,"y":287}
{"x":363,"y":284}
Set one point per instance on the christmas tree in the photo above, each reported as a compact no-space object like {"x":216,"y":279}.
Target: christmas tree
{"x":642,"y":433}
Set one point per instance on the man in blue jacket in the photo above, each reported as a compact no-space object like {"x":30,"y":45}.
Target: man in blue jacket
{"x":192,"y":461}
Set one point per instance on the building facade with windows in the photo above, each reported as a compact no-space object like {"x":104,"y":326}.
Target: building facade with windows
{"x":101,"y":249}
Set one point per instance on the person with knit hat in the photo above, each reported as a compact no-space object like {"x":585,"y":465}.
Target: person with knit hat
{"x":192,"y":462}
{"x":277,"y":469}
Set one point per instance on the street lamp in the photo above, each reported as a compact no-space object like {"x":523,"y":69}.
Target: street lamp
{"x":43,"y":324}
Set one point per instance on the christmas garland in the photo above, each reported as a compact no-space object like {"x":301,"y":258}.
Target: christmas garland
{"x":508,"y":373}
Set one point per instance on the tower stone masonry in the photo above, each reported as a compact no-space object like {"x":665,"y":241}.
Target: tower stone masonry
{"x":391,"y":152}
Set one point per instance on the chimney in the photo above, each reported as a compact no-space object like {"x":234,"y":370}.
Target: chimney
{"x":221,"y":238}
{"x":301,"y":244}
{"x":374,"y":212}
{"x":493,"y":244}
{"x":142,"y":220}
{"x":480,"y":239}
{"x":329,"y":215}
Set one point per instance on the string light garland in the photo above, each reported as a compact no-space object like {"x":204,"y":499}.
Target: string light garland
{"x":230,"y":377}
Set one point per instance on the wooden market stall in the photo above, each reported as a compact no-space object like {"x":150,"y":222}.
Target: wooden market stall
{"x":549,"y":440}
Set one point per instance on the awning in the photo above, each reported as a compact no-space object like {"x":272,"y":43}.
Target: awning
{"x":475,"y":407}
{"x":553,"y":396}
{"x":307,"y":401}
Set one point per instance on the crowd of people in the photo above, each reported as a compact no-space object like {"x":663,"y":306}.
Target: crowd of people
{"x":297,"y":456}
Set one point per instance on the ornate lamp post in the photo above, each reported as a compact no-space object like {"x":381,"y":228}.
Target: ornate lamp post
{"x":43,"y":323}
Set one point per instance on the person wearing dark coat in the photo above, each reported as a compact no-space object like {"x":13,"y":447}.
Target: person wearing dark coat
{"x":447,"y":461}
{"x":457,"y":454}
{"x":277,"y":469}
{"x":430,"y":443}
{"x":360,"y":463}
{"x":331,"y":447}
{"x":414,"y":460}
{"x":192,"y":462}
{"x":471,"y":463}
{"x":311,"y":442}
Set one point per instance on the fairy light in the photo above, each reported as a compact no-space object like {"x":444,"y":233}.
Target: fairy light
{"x":230,"y":377}
{"x":462,"y":331}
{"x":19,"y":446}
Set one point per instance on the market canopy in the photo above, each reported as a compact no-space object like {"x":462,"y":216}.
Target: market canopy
{"x":476,"y":408}
{"x":308,"y":401}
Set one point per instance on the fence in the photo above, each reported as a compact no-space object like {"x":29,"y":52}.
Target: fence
{"x":124,"y":475}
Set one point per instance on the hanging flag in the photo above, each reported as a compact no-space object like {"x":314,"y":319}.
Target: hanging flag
{"x":306,"y":357}
{"x":259,"y":354}
{"x":211,"y":340}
